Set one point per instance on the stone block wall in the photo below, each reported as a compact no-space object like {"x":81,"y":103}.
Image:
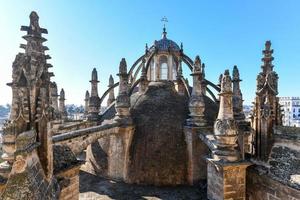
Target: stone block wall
{"x":69,"y":184}
{"x":264,"y":187}
{"x":226,"y":181}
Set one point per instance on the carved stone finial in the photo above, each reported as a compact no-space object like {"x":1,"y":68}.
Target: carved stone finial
{"x":94,"y":75}
{"x":268,"y":45}
{"x":237,"y":98}
{"x":111,"y":95}
{"x":123,"y":66}
{"x":220,"y":79}
{"x":94,"y":100}
{"x":111,"y":81}
{"x":143,"y":80}
{"x":225,"y":127}
{"x":235,"y":73}
{"x":87,"y":95}
{"x":122,"y":100}
{"x":62,"y":94}
{"x":197,"y":64}
{"x":196,"y":102}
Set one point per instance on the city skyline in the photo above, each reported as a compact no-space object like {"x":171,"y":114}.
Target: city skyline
{"x":223,"y":35}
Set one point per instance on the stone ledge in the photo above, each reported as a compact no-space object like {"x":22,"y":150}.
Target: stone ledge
{"x":83,"y":132}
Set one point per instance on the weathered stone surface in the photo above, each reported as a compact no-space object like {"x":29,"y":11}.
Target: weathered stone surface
{"x":63,"y":158}
{"x":226,"y":181}
{"x":265,"y":187}
{"x":158,"y":151}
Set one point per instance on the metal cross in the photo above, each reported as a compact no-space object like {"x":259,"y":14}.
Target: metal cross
{"x":164,"y":20}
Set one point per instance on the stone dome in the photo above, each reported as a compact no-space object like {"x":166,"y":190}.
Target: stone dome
{"x":158,"y":152}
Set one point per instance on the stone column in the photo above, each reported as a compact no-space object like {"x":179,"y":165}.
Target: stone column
{"x":196,"y":103}
{"x":123,"y":101}
{"x":111,"y":94}
{"x":62,"y":107}
{"x":86,"y":103}
{"x":94,"y":101}
{"x":226,"y":174}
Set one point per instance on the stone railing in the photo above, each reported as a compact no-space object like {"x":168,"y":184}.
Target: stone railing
{"x":78,"y":140}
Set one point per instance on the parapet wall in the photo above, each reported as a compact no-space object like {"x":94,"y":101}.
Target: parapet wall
{"x":279,"y":178}
{"x":263,"y":187}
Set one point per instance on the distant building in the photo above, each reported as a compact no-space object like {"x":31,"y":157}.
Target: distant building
{"x":291,"y":111}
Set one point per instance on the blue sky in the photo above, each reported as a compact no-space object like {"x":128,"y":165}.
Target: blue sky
{"x":98,"y":33}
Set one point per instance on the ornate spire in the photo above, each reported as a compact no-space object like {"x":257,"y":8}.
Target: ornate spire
{"x":95,"y":75}
{"x":180,"y":81}
{"x":54,"y":95}
{"x":94,"y":100}
{"x":111,"y":96}
{"x":226,"y":110}
{"x":62,"y":107}
{"x":268,"y":58}
{"x":123,"y":67}
{"x":87,"y":95}
{"x":237,"y":98}
{"x":197,"y":64}
{"x":123,"y":101}
{"x":86,"y":103}
{"x":111,"y":81}
{"x":225,"y":127}
{"x":143,"y":80}
{"x":197,"y":103}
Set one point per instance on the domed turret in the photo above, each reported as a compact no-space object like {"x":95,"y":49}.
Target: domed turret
{"x":164,"y":63}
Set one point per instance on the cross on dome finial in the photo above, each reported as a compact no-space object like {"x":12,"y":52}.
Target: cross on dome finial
{"x":164,"y":20}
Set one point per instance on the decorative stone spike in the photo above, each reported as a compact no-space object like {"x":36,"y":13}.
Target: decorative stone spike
{"x":197,"y":64}
{"x":123,"y":101}
{"x":196,"y":102}
{"x":62,"y":107}
{"x":237,"y":98}
{"x":180,"y":84}
{"x":86,"y":103}
{"x":111,"y":97}
{"x":54,"y":99}
{"x":265,"y":112}
{"x":94,"y":101}
{"x":225,"y":127}
{"x":31,"y":95}
{"x":143,"y":80}
{"x":226,"y":174}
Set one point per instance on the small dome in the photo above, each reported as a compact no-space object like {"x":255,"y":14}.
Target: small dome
{"x":165,"y":44}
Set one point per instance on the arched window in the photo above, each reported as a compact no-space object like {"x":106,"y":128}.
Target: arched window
{"x":164,"y":71}
{"x":163,"y":68}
